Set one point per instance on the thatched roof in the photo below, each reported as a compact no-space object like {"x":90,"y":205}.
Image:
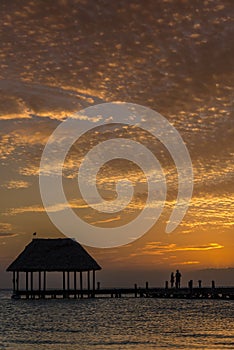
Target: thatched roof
{"x":62,"y":254}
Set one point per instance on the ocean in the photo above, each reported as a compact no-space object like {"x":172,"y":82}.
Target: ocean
{"x":125,"y":323}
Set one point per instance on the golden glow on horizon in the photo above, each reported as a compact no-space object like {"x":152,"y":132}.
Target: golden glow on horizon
{"x":162,"y":60}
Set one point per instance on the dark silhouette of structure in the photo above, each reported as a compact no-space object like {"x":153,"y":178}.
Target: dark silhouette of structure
{"x":69,"y":257}
{"x":190,"y":285}
{"x":61,"y":255}
{"x":178,"y":279}
{"x":172,"y":280}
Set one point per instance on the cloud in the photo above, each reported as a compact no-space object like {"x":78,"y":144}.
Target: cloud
{"x":15,"y":116}
{"x":74,"y":204}
{"x":5,"y":230}
{"x":22,"y":100}
{"x":117,"y":218}
{"x":5,"y":227}
{"x":210,"y":246}
{"x":23,"y":141}
{"x":7,"y":235}
{"x":30,"y":170}
{"x":16,"y":184}
{"x":22,"y":210}
{"x":159,"y":248}
{"x":184,"y":263}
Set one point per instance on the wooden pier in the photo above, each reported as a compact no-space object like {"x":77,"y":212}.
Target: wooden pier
{"x":76,"y":265}
{"x":224,"y":293}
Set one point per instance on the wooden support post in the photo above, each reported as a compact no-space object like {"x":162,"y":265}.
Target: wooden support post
{"x":39,"y":281}
{"x":135,"y":287}
{"x":75,"y":287}
{"x":75,"y":283}
{"x":190,"y":285}
{"x":88,"y":278}
{"x":81,"y":285}
{"x":68,"y":280}
{"x":44,"y":281}
{"x":17,"y":281}
{"x":13,"y":281}
{"x":94,"y":282}
{"x":31,"y":280}
{"x":147,"y":289}
{"x":64,"y":282}
{"x":26,"y":281}
{"x":26,"y":285}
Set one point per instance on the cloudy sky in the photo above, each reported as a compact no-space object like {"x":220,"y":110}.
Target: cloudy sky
{"x":173,"y":56}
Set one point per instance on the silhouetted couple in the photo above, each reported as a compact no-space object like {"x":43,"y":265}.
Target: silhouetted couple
{"x":175,"y":279}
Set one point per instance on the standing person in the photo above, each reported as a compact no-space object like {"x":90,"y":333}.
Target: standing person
{"x":178,"y":278}
{"x":172,"y":280}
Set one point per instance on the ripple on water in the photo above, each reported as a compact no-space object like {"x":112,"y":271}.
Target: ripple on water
{"x":115,"y":324}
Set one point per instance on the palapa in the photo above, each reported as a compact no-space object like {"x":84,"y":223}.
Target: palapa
{"x":60,"y":254}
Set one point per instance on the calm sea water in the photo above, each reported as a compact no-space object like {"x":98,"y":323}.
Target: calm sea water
{"x":125,"y":323}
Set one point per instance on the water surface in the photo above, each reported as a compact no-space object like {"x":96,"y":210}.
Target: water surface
{"x":125,"y":323}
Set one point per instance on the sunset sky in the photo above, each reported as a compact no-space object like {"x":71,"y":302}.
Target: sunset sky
{"x":173,"y":56}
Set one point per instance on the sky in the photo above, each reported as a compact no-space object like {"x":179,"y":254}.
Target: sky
{"x":173,"y":56}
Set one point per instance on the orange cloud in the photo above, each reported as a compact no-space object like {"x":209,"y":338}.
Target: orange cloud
{"x":159,"y":248}
{"x":16,"y":184}
{"x":183,"y":263}
{"x":7,"y":235}
{"x":117,"y":218}
{"x":74,"y":204}
{"x":5,"y":227}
